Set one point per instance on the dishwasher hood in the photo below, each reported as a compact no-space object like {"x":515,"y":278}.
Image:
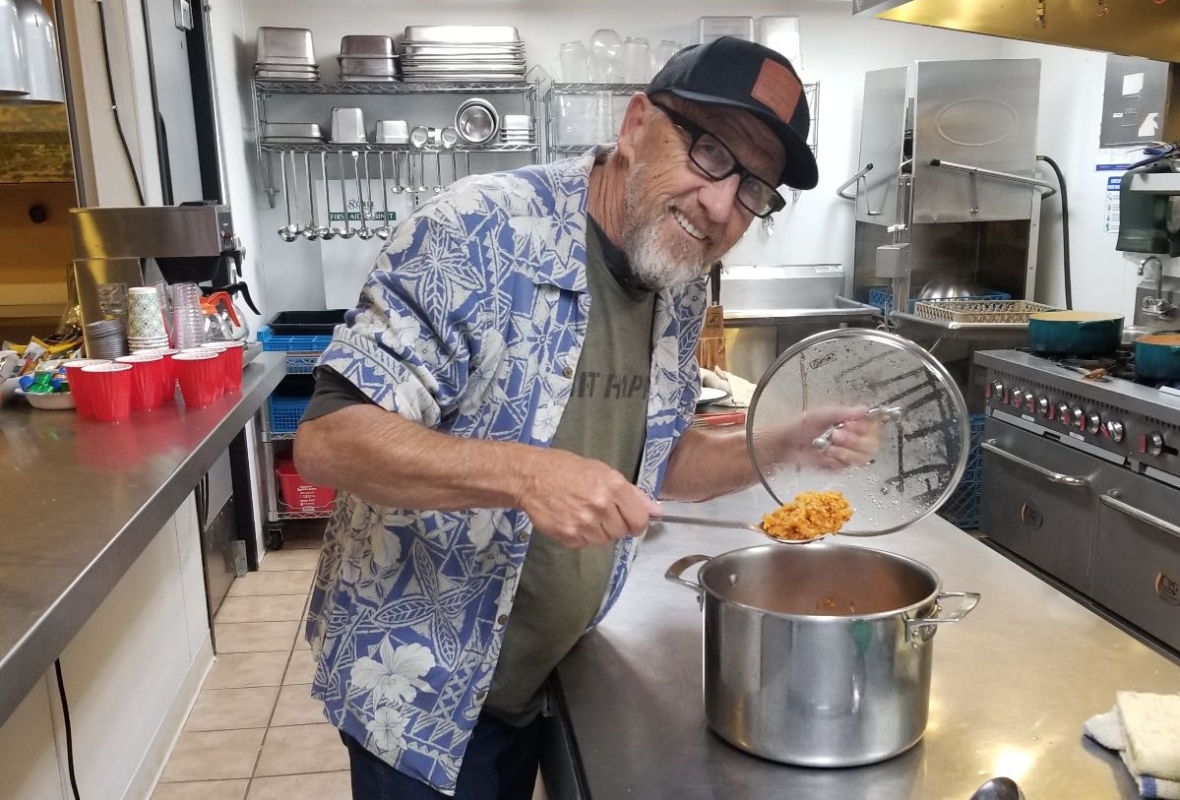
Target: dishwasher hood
{"x":1127,"y":27}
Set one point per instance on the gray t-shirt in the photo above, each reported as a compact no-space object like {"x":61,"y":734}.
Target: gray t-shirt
{"x":561,"y":590}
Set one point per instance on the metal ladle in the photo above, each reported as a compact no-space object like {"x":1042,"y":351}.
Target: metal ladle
{"x":449,"y":138}
{"x":348,"y":232}
{"x":326,"y":231}
{"x":289,"y":232}
{"x":998,"y":789}
{"x":365,"y":232}
{"x":310,"y":231}
{"x":418,"y":139}
{"x":396,"y":156}
{"x":382,"y":230}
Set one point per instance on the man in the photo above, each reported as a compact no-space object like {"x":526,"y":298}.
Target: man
{"x":522,"y":362}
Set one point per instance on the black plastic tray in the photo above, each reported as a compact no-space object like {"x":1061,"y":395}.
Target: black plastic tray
{"x":306,"y":323}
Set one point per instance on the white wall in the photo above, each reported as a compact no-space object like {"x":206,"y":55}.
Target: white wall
{"x":837,"y":50}
{"x":1070,"y":118}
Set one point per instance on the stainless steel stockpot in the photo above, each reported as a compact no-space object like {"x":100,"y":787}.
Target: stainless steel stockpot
{"x":820,"y":655}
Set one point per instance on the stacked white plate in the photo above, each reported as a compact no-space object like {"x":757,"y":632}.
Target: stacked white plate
{"x":443,"y":53}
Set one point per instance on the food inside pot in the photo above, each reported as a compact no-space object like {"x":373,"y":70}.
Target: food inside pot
{"x":811,"y":515}
{"x":1171,"y":339}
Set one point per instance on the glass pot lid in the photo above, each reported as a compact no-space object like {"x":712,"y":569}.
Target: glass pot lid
{"x":925,"y":432}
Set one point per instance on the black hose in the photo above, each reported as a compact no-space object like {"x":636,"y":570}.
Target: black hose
{"x":1064,"y":229}
{"x":106,"y":55}
{"x":65,"y":712}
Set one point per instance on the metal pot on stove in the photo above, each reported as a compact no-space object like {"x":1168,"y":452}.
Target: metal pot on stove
{"x":819,"y":656}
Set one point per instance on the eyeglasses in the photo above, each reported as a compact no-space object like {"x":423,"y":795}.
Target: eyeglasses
{"x":712,"y":157}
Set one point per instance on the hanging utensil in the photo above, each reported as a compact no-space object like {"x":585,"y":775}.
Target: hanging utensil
{"x":397,"y":172}
{"x":348,"y":232}
{"x":326,"y":231}
{"x":419,"y":136}
{"x":449,"y":138}
{"x":365,"y":231}
{"x":310,"y":231}
{"x":289,"y":232}
{"x":383,"y":229}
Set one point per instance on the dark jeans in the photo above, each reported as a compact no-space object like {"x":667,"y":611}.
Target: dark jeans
{"x":500,"y":764}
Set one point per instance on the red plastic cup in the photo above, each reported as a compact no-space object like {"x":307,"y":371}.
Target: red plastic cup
{"x":201,"y":376}
{"x":74,"y":377}
{"x":231,"y":360}
{"x":147,"y":382}
{"x":168,"y":373}
{"x":109,"y":390}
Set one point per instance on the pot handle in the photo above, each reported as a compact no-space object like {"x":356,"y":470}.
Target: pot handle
{"x":676,"y":570}
{"x":922,"y":628}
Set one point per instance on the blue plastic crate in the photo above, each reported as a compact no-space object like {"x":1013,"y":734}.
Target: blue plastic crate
{"x":292,"y":344}
{"x":285,"y":413}
{"x":962,"y":507}
{"x":883,"y":299}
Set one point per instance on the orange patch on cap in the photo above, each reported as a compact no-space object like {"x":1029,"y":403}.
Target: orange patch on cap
{"x":777,"y":88}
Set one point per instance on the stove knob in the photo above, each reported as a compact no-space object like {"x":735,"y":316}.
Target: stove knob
{"x":1115,"y":430}
{"x":1044,"y":407}
{"x":1063,"y":413}
{"x":1028,"y":401}
{"x":1093,"y":423}
{"x":1152,"y":444}
{"x":1017,"y":397}
{"x":995,"y":389}
{"x":1078,"y":418}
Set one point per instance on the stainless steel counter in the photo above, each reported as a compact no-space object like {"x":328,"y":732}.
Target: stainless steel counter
{"x":1012,"y":684}
{"x":82,"y":499}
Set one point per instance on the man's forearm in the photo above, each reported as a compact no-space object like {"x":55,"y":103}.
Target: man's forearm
{"x":388,"y":460}
{"x":708,"y":464}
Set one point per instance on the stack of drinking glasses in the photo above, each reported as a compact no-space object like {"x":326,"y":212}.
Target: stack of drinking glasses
{"x":145,"y":319}
{"x":188,"y":320}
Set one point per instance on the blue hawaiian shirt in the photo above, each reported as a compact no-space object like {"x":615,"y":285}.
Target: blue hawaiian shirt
{"x":471,"y":323}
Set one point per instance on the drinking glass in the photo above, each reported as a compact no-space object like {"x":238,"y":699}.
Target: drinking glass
{"x":636,"y":60}
{"x":606,"y":56}
{"x":575,"y":62}
{"x":664,"y":51}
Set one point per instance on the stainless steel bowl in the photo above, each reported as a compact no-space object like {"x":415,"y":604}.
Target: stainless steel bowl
{"x":477,"y":121}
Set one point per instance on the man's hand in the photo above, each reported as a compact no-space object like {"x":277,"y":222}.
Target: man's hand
{"x":581,"y":502}
{"x":854,"y":443}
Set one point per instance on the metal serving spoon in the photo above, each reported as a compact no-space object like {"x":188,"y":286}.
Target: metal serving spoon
{"x":326,"y":231}
{"x":310,"y":231}
{"x":730,"y":523}
{"x":348,"y":232}
{"x":365,"y":231}
{"x":290,"y":231}
{"x":998,"y":789}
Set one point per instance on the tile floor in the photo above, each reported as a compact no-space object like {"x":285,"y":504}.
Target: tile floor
{"x":254,"y":732}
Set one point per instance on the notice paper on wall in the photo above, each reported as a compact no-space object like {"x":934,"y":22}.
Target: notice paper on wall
{"x":1111,"y":215}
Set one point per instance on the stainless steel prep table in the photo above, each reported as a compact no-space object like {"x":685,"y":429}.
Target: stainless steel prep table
{"x":1012,"y":684}
{"x":82,"y":499}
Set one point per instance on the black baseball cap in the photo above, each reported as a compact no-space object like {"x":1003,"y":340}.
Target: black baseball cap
{"x":739,"y":74}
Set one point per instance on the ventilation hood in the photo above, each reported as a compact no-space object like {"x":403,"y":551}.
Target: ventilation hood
{"x":1144,"y":28}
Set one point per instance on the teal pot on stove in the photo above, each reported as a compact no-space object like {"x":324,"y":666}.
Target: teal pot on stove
{"x":1157,"y":356}
{"x":1075,"y":333}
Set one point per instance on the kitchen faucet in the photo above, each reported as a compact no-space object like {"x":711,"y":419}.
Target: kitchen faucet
{"x":1156,"y":306}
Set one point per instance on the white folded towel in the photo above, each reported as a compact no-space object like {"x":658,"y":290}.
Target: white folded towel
{"x":1108,"y":731}
{"x":1151,"y":725}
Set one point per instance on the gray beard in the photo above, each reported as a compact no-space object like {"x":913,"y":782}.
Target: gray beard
{"x":652,"y":261}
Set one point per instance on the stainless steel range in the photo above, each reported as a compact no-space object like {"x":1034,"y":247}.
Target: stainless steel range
{"x":1081,"y":479}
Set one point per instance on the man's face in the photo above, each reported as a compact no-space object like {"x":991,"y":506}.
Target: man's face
{"x":677,"y":220}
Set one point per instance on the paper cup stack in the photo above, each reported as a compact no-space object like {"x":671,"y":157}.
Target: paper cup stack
{"x":145,"y":319}
{"x":104,"y":339}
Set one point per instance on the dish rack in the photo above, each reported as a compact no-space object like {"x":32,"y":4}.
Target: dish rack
{"x":303,"y":336}
{"x":980,"y":312}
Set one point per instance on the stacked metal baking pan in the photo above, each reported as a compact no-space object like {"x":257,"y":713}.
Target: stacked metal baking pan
{"x":465,"y":53}
{"x":368,"y":58}
{"x":285,"y":54}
